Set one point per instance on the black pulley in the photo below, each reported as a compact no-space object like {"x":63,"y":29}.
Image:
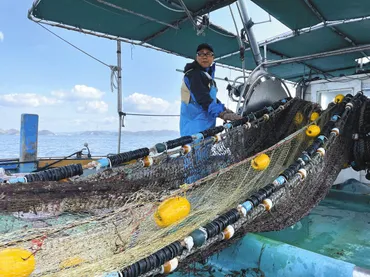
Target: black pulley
{"x":367,"y":176}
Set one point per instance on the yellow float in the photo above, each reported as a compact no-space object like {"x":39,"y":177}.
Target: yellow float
{"x":16,"y":262}
{"x":339,"y":98}
{"x":171,"y":211}
{"x":314,"y":116}
{"x":261,"y":162}
{"x":313,"y":131}
{"x":298,"y":118}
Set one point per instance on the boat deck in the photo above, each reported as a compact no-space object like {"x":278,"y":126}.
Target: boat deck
{"x":331,"y":241}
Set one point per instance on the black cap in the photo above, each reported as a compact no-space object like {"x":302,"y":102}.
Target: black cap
{"x":204,"y":46}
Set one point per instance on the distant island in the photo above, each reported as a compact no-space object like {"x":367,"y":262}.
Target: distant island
{"x":98,"y":133}
{"x":15,"y":132}
{"x":138,"y":133}
{"x":9,"y":132}
{"x":46,"y":133}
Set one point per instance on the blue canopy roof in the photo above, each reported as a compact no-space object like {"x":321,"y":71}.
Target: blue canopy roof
{"x":157,"y":22}
{"x":166,"y":26}
{"x":313,"y":42}
{"x":297,"y":14}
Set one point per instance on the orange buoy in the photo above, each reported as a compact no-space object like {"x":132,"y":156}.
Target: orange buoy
{"x":229,"y":232}
{"x":170,"y":266}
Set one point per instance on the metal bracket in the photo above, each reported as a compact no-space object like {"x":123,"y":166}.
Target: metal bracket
{"x":249,"y":24}
{"x":122,"y":115}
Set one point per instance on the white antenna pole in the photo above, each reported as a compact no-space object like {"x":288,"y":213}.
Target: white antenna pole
{"x":119,"y":94}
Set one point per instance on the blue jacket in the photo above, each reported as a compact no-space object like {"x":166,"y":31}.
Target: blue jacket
{"x":199,"y":104}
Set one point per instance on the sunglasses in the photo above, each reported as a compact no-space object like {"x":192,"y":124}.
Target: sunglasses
{"x":202,"y":54}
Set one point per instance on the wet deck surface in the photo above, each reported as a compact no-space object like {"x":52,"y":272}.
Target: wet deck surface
{"x":339,"y":228}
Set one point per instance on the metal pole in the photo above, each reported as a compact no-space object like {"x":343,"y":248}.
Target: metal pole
{"x":217,"y":78}
{"x":319,"y":55}
{"x":248,"y":25}
{"x":119,"y":93}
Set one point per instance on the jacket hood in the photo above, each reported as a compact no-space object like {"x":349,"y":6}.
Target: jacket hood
{"x":192,"y":65}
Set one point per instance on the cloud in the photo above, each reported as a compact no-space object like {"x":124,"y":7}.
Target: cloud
{"x":146,"y":103}
{"x":142,"y":103}
{"x":1,"y":36}
{"x":26,"y":100}
{"x":79,"y":122}
{"x":88,"y":99}
{"x":93,"y":107}
{"x":79,"y":92}
{"x":110,"y":119}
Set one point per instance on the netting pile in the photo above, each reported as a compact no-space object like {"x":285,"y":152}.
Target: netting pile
{"x":101,"y":223}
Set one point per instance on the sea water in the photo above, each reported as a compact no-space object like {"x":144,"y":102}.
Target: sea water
{"x":64,"y":145}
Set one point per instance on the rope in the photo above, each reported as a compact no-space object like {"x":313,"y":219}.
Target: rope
{"x":241,"y":45}
{"x":188,"y":13}
{"x":217,"y":32}
{"x":168,"y":8}
{"x":114,"y":69}
{"x":79,"y":49}
{"x":236,"y":25}
{"x":113,"y":78}
{"x":240,"y":13}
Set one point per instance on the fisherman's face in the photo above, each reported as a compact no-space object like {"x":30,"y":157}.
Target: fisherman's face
{"x":205,"y":58}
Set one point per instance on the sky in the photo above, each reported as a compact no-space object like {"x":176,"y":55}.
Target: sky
{"x":41,"y":74}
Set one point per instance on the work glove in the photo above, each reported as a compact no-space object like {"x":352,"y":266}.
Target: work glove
{"x":229,"y":115}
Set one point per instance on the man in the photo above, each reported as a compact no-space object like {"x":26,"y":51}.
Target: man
{"x":199,"y":104}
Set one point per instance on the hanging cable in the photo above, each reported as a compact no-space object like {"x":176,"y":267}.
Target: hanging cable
{"x":239,"y":11}
{"x":236,"y":26}
{"x":114,"y":69}
{"x":241,"y":44}
{"x":168,"y":8}
{"x":242,"y":51}
{"x":188,"y":13}
{"x":79,"y":49}
{"x":217,"y":32}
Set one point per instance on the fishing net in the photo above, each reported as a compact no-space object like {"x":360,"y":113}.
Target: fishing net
{"x":103,"y":222}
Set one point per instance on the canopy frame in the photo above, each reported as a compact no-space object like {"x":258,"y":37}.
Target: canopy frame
{"x":335,"y":30}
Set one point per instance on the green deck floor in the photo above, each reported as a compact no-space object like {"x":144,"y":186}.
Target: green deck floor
{"x":339,"y":228}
